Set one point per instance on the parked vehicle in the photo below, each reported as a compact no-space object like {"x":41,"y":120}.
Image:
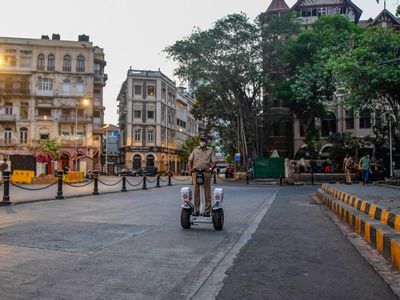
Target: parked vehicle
{"x":377,"y":172}
{"x":137,"y":172}
{"x":125,"y":171}
{"x":149,"y":171}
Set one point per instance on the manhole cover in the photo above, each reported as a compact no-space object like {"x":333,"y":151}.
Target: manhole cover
{"x":71,"y":236}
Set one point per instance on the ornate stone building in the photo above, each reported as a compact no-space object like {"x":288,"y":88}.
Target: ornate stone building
{"x":52,"y":90}
{"x":155,"y":120}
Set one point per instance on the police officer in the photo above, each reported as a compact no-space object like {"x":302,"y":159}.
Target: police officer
{"x":202,"y":157}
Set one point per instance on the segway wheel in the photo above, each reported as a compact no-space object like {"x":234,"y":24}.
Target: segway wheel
{"x":218,"y":219}
{"x":185,"y":218}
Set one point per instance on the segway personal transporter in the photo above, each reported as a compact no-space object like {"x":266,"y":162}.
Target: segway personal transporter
{"x":217,"y":213}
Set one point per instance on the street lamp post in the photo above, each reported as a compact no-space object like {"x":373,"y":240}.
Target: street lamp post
{"x":106,"y":128}
{"x":390,"y":147}
{"x":84,"y":103}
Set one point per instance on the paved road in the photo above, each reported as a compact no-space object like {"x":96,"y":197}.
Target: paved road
{"x":299,"y":253}
{"x":118,"y":246}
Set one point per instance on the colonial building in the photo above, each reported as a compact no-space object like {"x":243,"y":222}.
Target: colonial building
{"x":52,"y":90}
{"x":154,"y":119}
{"x":288,"y":138}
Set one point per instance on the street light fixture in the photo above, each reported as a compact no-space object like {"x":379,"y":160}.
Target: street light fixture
{"x":84,"y":103}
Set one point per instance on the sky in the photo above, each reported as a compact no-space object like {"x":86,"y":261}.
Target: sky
{"x":132,"y":32}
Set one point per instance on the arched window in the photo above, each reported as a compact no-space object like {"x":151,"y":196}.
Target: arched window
{"x":51,"y":62}
{"x":328,"y":124}
{"x":40,"y":62}
{"x":23,"y":135}
{"x":67,"y":63}
{"x":80,"y":64}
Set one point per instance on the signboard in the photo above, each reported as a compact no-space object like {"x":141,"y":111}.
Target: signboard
{"x":237,"y":157}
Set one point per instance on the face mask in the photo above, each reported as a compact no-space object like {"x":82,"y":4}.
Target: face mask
{"x":202,"y":144}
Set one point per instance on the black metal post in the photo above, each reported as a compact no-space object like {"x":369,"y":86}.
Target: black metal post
{"x":247,"y":178}
{"x":60,"y":175}
{"x":280,"y":180}
{"x":123,"y":184}
{"x":6,"y":196}
{"x":312,"y":176}
{"x":158,"y":181}
{"x":215,"y":178}
{"x":96,"y":183}
{"x":169,"y":179}
{"x":144,"y":183}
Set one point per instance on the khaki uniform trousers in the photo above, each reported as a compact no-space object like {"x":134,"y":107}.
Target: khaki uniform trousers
{"x":347,"y":172}
{"x":207,"y":193}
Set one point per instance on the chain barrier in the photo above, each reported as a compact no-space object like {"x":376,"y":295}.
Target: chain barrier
{"x":33,"y":189}
{"x":163,"y":180}
{"x":134,"y":185}
{"x":185,"y":179}
{"x":78,"y":186}
{"x":110,"y":184}
{"x":150,"y":181}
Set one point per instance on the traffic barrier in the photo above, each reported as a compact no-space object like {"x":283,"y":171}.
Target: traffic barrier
{"x":22,"y":176}
{"x":73,"y":177}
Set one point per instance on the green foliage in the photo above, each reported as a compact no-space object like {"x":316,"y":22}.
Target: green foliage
{"x":342,"y":144}
{"x":188,"y":147}
{"x":50,"y":148}
{"x":223,"y":64}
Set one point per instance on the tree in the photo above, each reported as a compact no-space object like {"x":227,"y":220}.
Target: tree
{"x":223,"y":64}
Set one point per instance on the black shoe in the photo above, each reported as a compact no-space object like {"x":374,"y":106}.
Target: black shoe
{"x":196,"y":214}
{"x":207,"y":214}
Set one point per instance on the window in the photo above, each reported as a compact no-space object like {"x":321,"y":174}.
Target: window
{"x":138,"y":135}
{"x":51,"y":63}
{"x":138,"y":89}
{"x":40,"y":63}
{"x":97,"y":69}
{"x":150,"y":136}
{"x":23,"y":111}
{"x":150,"y":114}
{"x":365,"y":120}
{"x":44,"y":111}
{"x":79,"y":135}
{"x":65,"y":136}
{"x":79,"y":88}
{"x":137,"y":114}
{"x":67,"y":63}
{"x":151,"y":90}
{"x":45,"y":84}
{"x":66,"y":87}
{"x":44,"y":136}
{"x":349,"y":119}
{"x":8,"y":108}
{"x":23,"y":135}
{"x":7,"y":135}
{"x":80,"y":64}
{"x":328,"y":125}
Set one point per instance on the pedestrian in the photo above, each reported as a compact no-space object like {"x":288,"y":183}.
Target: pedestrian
{"x":347,"y":166}
{"x":365,"y":163}
{"x":203,"y":158}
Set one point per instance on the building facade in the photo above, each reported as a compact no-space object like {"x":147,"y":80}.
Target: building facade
{"x":154,"y":121}
{"x":110,"y":149}
{"x":52,"y":90}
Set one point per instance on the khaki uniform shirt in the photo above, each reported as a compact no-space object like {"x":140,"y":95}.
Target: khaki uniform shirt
{"x":202,"y":159}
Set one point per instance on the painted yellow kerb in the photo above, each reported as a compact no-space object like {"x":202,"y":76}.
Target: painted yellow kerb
{"x":372,"y":211}
{"x":363,"y":204}
{"x":367,"y":234}
{"x":385,"y":217}
{"x":379,"y":241}
{"x":397,"y":223}
{"x":356,"y":202}
{"x":395,"y":252}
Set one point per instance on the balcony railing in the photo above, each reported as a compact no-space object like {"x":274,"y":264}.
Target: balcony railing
{"x":7,"y":118}
{"x":71,"y":119}
{"x":8,"y":142}
{"x":72,"y":142}
{"x":15,"y":91}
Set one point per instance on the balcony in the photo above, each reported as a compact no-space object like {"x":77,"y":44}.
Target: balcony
{"x":72,"y":143}
{"x":7,"y":118}
{"x":100,"y":78}
{"x":72,"y":120}
{"x":8,"y":142}
{"x":15,"y":91}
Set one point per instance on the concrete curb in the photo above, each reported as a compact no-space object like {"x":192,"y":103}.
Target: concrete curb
{"x":381,"y":214}
{"x":362,"y":219}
